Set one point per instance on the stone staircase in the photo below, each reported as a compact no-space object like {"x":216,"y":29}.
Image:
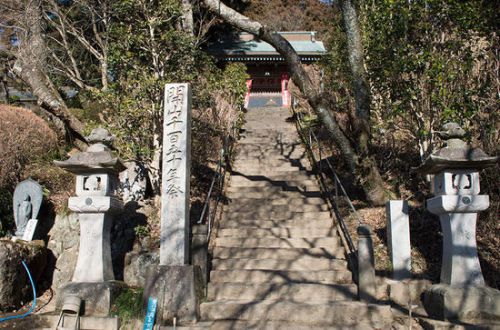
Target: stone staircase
{"x":278,"y":262}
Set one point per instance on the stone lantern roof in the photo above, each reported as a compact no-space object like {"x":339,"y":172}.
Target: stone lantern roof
{"x":97,"y":158}
{"x":457,"y":154}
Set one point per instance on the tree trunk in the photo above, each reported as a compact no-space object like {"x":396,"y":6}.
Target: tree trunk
{"x":187,"y":17}
{"x":359,"y":82}
{"x":30,"y":66}
{"x":368,"y":172}
{"x":364,"y":169}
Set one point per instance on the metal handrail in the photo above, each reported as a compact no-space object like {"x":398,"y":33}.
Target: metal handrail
{"x":209,"y":194}
{"x":218,"y":178}
{"x":308,"y":141}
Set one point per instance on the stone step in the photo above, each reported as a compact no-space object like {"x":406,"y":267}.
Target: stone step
{"x":275,"y":141}
{"x":272,"y":121}
{"x":304,"y":183}
{"x":253,"y":141}
{"x":290,"y":219}
{"x":298,"y":292}
{"x":197,"y":326}
{"x":271,"y":156}
{"x":270,"y":172}
{"x":268,"y":187}
{"x":263,"y":152}
{"x":277,"y":161}
{"x":238,"y":202}
{"x":346,"y":313}
{"x":278,"y":213}
{"x":277,"y":124}
{"x":285,"y":243}
{"x":276,"y":253}
{"x":280,"y":276}
{"x":276,"y":195}
{"x":277,"y":232}
{"x":275,"y":264}
{"x":271,"y":138}
{"x":301,"y":223}
{"x":268,"y":208}
{"x":264,"y":118}
{"x":281,"y":325}
{"x":262,"y":114}
{"x":271,"y":169}
{"x":297,"y":176}
{"x":474,"y":324}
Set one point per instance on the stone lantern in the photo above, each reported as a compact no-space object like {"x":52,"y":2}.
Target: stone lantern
{"x":95,"y":203}
{"x":96,"y":181}
{"x":455,"y":184}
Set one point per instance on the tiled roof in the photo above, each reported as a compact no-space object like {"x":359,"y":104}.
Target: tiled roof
{"x":258,"y":47}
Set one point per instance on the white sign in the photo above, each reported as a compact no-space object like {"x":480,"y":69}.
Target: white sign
{"x":30,"y":230}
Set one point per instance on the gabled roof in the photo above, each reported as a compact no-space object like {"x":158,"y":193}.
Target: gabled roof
{"x":304,"y":43}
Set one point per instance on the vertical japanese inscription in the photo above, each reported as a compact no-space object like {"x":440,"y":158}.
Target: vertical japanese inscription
{"x":175,"y":175}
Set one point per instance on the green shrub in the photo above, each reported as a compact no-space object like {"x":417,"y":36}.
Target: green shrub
{"x":128,"y":305}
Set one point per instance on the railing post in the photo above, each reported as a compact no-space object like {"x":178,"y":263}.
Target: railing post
{"x":367,"y":286}
{"x":199,"y":246}
{"x":398,"y":237}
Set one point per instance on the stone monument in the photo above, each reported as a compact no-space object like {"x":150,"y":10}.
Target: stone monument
{"x":95,"y":203}
{"x":27,"y":200}
{"x":174,"y":282}
{"x":176,"y":169}
{"x":457,"y":200}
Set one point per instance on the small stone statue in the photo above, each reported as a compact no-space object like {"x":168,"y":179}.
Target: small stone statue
{"x":23,"y":210}
{"x":28,"y":197}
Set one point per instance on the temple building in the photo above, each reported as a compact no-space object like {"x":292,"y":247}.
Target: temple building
{"x":269,"y":76}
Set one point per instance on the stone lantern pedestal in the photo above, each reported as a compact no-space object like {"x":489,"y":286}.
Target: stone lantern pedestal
{"x":95,"y":203}
{"x":457,"y":201}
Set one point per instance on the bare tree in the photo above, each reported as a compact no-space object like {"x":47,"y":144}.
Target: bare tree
{"x":89,"y":29}
{"x":30,"y":61}
{"x":362,"y":166}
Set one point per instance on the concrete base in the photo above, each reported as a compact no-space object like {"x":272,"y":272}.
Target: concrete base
{"x":407,"y":292}
{"x":444,"y":302}
{"x":97,"y":297}
{"x":178,"y":289}
{"x":86,"y":322}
